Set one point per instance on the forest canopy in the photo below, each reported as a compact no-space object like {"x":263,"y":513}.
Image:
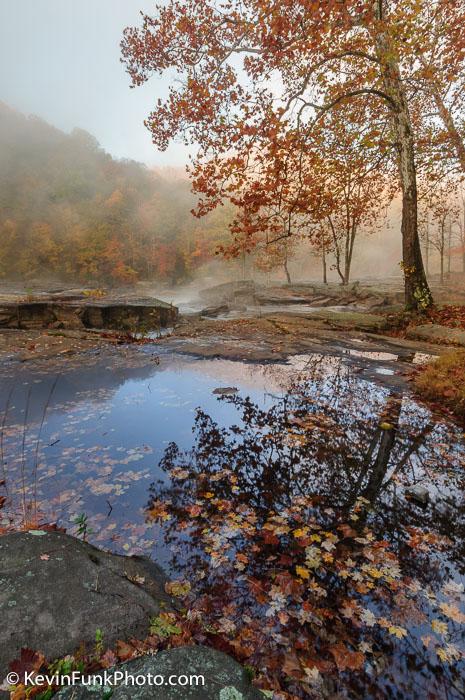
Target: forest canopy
{"x":69,"y":210}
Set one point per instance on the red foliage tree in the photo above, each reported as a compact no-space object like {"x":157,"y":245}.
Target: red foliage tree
{"x":299,"y":60}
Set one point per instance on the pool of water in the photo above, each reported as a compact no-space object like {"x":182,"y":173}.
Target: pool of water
{"x":101,"y":440}
{"x":89,"y":440}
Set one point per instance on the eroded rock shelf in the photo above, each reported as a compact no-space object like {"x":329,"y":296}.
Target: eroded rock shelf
{"x":77,"y":314}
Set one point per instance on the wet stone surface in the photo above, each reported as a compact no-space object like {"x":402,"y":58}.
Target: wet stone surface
{"x":223,"y":678}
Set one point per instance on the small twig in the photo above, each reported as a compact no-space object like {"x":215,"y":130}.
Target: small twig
{"x":23,"y":453}
{"x":36,"y":459}
{"x":2,"y":432}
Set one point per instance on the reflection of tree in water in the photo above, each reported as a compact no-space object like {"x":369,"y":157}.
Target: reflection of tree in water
{"x":287,"y":524}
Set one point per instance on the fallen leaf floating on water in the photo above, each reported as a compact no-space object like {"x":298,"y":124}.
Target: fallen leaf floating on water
{"x":453,"y":612}
{"x":179,"y":589}
{"x":346,"y":659}
{"x":439,"y":627}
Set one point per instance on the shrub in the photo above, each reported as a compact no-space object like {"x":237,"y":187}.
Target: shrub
{"x":443,"y":382}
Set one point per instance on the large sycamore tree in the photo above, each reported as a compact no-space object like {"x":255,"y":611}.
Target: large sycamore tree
{"x":435,"y":49}
{"x":252,"y":75}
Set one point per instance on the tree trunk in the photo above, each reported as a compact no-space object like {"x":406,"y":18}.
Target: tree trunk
{"x":346,"y":275}
{"x":286,"y":270}
{"x":337,"y":252}
{"x":442,"y":247}
{"x":387,"y":436}
{"x":462,"y":235}
{"x":325,"y":274}
{"x":427,"y":245}
{"x":417,"y":292}
{"x":349,"y":250}
{"x":449,"y":245}
{"x":347,"y":261}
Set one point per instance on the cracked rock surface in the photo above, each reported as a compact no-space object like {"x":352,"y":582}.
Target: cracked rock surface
{"x":56,"y":591}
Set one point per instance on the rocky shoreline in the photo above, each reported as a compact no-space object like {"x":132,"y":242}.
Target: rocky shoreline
{"x":57,"y":592}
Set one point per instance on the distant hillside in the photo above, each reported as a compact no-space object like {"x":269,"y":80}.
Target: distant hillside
{"x":69,"y":209}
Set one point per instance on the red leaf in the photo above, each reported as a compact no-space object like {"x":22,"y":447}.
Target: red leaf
{"x":28,"y":661}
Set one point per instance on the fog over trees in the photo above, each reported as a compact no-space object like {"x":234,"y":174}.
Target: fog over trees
{"x":70,"y":210}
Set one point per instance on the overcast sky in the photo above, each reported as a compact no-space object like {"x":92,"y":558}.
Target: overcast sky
{"x":59,"y":59}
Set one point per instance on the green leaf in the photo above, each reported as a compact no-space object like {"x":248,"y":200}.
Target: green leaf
{"x":163,"y":628}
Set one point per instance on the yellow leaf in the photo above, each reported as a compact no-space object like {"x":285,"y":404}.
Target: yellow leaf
{"x":374,"y":573}
{"x":443,"y":655}
{"x":177,"y":588}
{"x":439,"y":627}
{"x":300,"y":532}
{"x":453,"y":612}
{"x":398,"y":632}
{"x":302,"y":572}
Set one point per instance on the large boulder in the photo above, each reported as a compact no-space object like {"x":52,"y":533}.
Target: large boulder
{"x":223,"y":678}
{"x":56,"y":591}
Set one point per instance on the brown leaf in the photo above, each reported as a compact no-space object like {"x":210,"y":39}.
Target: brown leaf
{"x":291,"y":666}
{"x":109,"y":659}
{"x":124,"y":651}
{"x":346,"y":659}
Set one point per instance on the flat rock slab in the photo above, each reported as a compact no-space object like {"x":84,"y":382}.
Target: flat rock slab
{"x":224,"y":678}
{"x":348,"y":320}
{"x":294,"y":294}
{"x":56,"y":591}
{"x":434,"y":333}
{"x":130,"y":316}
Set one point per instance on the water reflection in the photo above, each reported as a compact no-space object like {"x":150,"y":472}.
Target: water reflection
{"x":310,"y":442}
{"x":338,"y":453}
{"x":93,"y":444}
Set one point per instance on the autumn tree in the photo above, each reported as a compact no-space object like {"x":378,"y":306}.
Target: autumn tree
{"x":434,"y":48}
{"x":272,"y":256}
{"x":439,"y":215}
{"x":299,"y":60}
{"x":460,"y":223}
{"x":359,"y":181}
{"x":70,"y":210}
{"x":321,"y":244}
